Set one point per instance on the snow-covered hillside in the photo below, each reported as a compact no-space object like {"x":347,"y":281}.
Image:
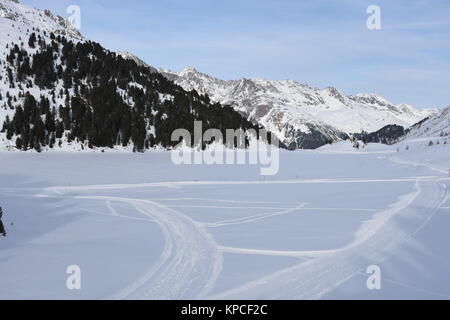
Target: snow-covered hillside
{"x":139,"y":62}
{"x":291,"y":109}
{"x":17,"y":23}
{"x":437,"y":125}
{"x":60,"y":91}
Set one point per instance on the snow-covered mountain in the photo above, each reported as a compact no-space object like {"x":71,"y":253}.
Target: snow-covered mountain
{"x":139,"y":62}
{"x":61,"y":91}
{"x":435,"y":126}
{"x":18,"y":21}
{"x":301,"y":116}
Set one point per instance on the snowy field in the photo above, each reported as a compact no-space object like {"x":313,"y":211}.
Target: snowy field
{"x":140,"y":227}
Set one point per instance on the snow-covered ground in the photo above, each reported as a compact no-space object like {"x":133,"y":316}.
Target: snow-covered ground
{"x":140,"y":227}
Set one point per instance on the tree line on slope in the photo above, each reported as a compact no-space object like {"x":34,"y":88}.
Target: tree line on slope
{"x":99,"y":99}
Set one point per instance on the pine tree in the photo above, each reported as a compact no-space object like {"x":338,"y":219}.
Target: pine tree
{"x":32,"y":40}
{"x":19,"y":143}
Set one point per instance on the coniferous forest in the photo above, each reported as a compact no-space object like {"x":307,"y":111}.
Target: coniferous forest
{"x":98,"y":99}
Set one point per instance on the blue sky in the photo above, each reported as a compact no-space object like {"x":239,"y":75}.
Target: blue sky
{"x":319,"y":42}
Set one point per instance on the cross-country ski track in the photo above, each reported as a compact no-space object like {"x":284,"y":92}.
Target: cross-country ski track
{"x":192,"y":261}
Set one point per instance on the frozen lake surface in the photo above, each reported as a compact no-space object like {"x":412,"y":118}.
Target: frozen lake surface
{"x":140,"y":227}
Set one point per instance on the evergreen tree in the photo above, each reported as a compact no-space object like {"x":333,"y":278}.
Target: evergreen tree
{"x":32,"y":40}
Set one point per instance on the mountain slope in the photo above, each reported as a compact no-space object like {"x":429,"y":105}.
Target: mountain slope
{"x":139,"y":62}
{"x":434,"y":126}
{"x":17,"y":21}
{"x":386,"y":135}
{"x":58,"y":90}
{"x":298,"y":113}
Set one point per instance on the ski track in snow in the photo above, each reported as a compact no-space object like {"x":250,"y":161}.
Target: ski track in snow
{"x":408,"y":286}
{"x":192,"y":261}
{"x":254,"y":217}
{"x":330,"y":268}
{"x":111,"y":208}
{"x":177,"y":184}
{"x":189,"y":263}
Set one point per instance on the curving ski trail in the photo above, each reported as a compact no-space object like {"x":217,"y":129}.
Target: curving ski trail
{"x":189,"y":264}
{"x":375,"y":241}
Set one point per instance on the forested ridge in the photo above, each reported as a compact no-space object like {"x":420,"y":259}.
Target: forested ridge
{"x":94,"y":97}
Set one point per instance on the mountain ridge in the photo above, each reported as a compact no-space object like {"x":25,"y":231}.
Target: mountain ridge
{"x":292,"y":109}
{"x":437,"y":125}
{"x":61,"y":91}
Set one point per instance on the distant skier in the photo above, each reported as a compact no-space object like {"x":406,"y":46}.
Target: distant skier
{"x":2,"y":227}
